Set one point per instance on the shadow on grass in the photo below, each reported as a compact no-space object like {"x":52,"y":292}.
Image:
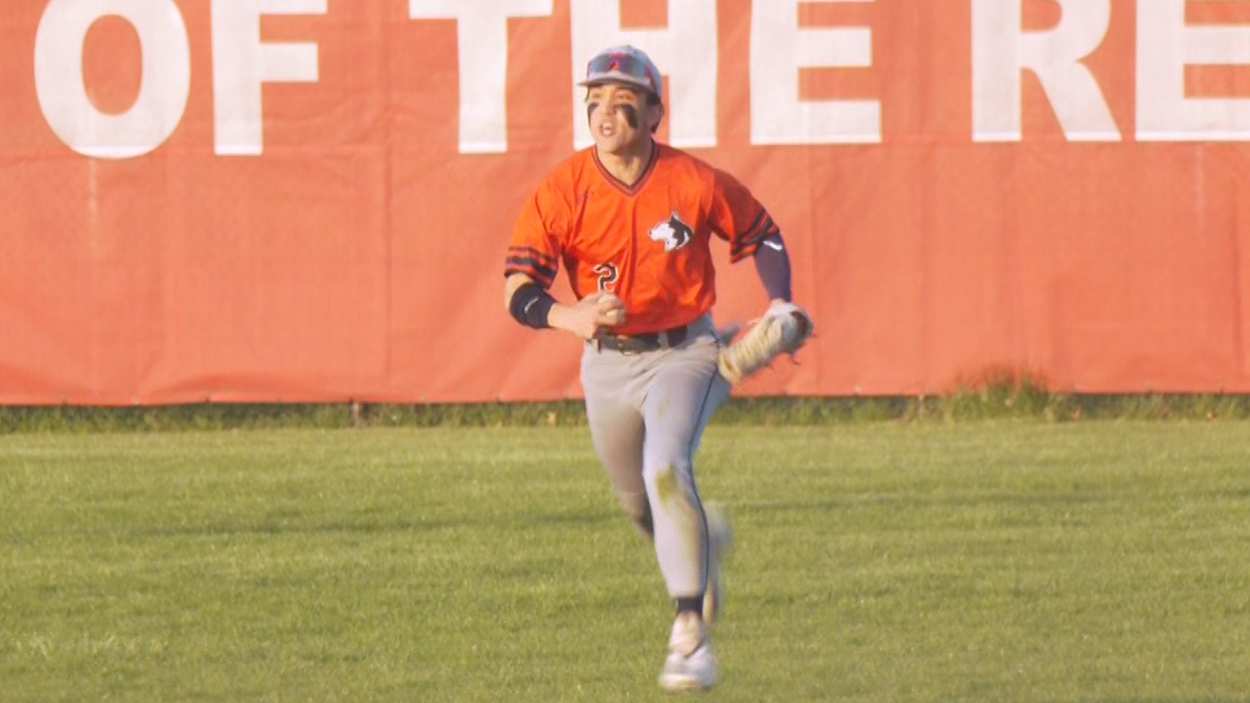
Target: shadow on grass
{"x":525,"y":520}
{"x":565,"y":518}
{"x":913,"y":500}
{"x":304,"y":528}
{"x":1185,"y":699}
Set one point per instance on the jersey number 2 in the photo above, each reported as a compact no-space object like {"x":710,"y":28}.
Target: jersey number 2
{"x":608,"y":273}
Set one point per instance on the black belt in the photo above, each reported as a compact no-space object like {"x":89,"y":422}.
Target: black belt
{"x":636,"y":343}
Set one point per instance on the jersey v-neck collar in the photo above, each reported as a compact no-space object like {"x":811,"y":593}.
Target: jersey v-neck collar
{"x":618,"y":183}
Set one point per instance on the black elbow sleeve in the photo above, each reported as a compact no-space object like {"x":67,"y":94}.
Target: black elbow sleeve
{"x":530,"y":306}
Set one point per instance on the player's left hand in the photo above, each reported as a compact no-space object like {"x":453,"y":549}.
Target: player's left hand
{"x":784,"y":329}
{"x":796,"y":336}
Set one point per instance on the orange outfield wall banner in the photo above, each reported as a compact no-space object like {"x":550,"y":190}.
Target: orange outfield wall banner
{"x":310,"y":200}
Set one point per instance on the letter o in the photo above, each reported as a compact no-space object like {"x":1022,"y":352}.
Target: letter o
{"x":164,"y":87}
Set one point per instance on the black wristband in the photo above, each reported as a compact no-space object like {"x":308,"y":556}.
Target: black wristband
{"x":530,"y":305}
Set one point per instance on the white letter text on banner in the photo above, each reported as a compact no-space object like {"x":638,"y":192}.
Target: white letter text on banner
{"x":1001,"y":50}
{"x":779,"y":48}
{"x":482,"y":48}
{"x":164,"y":87}
{"x":1164,"y":47}
{"x":241,"y":63}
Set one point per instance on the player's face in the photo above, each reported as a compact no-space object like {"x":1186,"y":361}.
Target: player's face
{"x":620,"y":117}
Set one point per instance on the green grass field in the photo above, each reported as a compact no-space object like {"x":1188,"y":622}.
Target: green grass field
{"x":982,"y":561}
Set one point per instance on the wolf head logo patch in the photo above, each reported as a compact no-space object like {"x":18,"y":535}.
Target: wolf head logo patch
{"x":673,"y":232}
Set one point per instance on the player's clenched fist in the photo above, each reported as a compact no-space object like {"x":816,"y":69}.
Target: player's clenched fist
{"x":589,"y":314}
{"x":611,"y":310}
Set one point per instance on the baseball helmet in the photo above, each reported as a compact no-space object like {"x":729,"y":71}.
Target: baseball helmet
{"x":627,"y":65}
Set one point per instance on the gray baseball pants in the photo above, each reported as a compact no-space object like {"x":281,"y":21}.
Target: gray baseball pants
{"x":647,"y":412}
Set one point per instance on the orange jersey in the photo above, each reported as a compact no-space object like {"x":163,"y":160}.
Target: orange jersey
{"x":648,"y":244}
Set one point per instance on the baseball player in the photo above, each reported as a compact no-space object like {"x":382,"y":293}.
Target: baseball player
{"x":632,"y":220}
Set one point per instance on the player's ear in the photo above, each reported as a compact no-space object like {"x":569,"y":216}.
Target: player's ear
{"x":657,"y":116}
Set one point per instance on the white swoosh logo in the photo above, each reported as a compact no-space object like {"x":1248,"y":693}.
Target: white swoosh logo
{"x":774,"y":245}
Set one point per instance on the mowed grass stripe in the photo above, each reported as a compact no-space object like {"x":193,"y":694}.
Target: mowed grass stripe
{"x":994,"y":561}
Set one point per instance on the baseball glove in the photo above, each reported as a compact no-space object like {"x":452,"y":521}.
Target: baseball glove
{"x":783,"y":329}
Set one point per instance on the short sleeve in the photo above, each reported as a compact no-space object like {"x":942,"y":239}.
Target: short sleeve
{"x":737,"y":217}
{"x":535,"y":246}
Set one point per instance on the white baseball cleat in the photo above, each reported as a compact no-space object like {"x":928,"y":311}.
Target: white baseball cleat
{"x":720,"y":540}
{"x":690,"y":665}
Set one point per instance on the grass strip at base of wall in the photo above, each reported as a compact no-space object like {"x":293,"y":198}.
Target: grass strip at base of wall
{"x":989,"y":403}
